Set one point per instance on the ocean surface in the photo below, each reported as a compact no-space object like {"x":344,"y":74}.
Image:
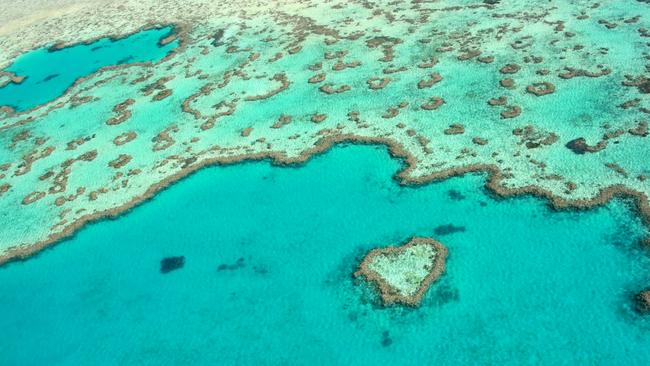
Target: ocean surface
{"x":269,"y":255}
{"x":265,"y":254}
{"x":49,"y":73}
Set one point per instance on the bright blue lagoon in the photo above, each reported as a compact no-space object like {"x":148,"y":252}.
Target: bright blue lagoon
{"x":49,"y":73}
{"x":523,"y":285}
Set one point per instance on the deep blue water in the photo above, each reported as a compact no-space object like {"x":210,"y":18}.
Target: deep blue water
{"x":524,"y":284}
{"x":48,"y":74}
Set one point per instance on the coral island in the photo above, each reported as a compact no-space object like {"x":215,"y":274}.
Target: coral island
{"x":403,"y":274}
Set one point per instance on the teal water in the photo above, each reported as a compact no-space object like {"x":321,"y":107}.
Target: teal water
{"x":524,"y":284}
{"x":64,"y":66}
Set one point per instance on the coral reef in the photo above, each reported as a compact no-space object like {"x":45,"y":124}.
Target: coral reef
{"x":286,"y":80}
{"x":404,"y":273}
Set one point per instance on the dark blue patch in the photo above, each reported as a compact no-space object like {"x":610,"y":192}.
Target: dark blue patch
{"x":455,"y":195}
{"x":171,"y":264}
{"x":125,"y":60}
{"x":385,"y":339}
{"x":49,"y":77}
{"x":448,"y":229}
{"x":231,"y":267}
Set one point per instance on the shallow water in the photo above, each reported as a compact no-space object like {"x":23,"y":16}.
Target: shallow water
{"x":49,"y":73}
{"x":523,"y":284}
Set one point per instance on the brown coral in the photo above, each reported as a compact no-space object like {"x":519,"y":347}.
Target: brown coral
{"x":540,"y":89}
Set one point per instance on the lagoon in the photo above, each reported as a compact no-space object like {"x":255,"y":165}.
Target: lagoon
{"x":48,"y":73}
{"x":267,"y":278}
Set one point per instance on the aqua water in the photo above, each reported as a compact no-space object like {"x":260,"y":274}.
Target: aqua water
{"x":49,"y":73}
{"x":523,"y":285}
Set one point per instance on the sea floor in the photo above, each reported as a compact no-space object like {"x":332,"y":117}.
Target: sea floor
{"x":523,"y":285}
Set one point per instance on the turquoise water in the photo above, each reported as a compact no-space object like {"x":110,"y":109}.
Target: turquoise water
{"x":64,"y":66}
{"x":524,"y":284}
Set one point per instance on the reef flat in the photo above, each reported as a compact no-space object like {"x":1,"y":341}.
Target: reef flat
{"x":550,"y":99}
{"x":404,"y":273}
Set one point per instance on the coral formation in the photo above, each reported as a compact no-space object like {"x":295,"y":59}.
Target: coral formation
{"x":403,"y":274}
{"x":285,"y":80}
